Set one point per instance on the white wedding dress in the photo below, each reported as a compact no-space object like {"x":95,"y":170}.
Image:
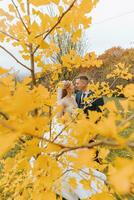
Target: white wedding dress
{"x":79,"y":192}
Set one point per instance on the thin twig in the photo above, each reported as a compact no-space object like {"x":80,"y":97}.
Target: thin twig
{"x":126,"y":120}
{"x":65,"y":127}
{"x":4,"y":115}
{"x":113,"y":82}
{"x":50,"y":123}
{"x":41,"y":34}
{"x":32,"y":61}
{"x":20,"y":17}
{"x":92,"y":174}
{"x":91,"y":145}
{"x":46,"y":140}
{"x":11,"y":36}
{"x":14,"y":57}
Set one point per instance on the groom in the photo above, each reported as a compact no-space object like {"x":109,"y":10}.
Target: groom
{"x":81,"y":84}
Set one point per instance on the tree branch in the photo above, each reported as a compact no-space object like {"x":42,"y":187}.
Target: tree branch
{"x":88,"y":146}
{"x":114,"y":82}
{"x":46,"y":140}
{"x":11,"y":36}
{"x":65,"y":149}
{"x":67,"y":125}
{"x":14,"y":57}
{"x":58,"y":22}
{"x":41,"y":34}
{"x":126,"y":120}
{"x":31,"y":52}
{"x":32,"y":64}
{"x":20,"y":17}
{"x":28,"y":11}
{"x":4,"y":115}
{"x":93,"y":144}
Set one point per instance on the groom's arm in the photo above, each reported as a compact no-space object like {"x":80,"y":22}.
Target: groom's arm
{"x":94,"y":106}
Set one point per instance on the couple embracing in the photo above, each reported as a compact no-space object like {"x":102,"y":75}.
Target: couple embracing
{"x":70,"y":101}
{"x":73,"y":96}
{"x":70,"y":97}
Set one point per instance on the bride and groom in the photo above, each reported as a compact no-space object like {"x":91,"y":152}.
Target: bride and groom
{"x":69,"y":100}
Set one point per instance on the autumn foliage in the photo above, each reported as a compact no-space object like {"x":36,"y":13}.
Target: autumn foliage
{"x":28,"y":109}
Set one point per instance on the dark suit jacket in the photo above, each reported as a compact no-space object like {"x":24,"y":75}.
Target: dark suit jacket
{"x":95,"y":105}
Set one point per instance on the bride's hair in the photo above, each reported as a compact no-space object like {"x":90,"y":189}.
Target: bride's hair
{"x":63,"y":91}
{"x":66,"y":85}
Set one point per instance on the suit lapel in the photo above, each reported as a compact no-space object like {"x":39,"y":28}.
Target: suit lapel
{"x":78,"y":98}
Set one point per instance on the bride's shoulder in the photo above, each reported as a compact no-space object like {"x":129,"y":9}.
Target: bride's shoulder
{"x":62,"y":101}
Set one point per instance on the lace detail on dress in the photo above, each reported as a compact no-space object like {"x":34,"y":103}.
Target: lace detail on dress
{"x":69,"y":104}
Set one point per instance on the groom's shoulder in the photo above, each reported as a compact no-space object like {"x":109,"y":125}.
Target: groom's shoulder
{"x":78,"y":93}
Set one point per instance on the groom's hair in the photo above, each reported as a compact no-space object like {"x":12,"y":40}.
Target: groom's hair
{"x":83,"y":78}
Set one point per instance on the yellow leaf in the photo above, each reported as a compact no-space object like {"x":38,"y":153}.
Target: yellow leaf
{"x":103,"y":152}
{"x":44,"y":195}
{"x":52,"y":148}
{"x":9,"y":164}
{"x":84,"y":158}
{"x":86,"y":184}
{"x":3,"y":71}
{"x":76,"y":35}
{"x":39,"y":2}
{"x":102,"y":196}
{"x":120,"y":176}
{"x":11,"y":8}
{"x":125,"y":105}
{"x":26,"y":57}
{"x":129,"y":91}
{"x":111,"y":106}
{"x":7,"y":141}
{"x":23,"y":165}
{"x":73,"y":183}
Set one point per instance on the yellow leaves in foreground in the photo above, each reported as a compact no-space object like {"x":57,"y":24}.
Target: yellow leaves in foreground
{"x":9,"y":163}
{"x":84,"y":158}
{"x":73,"y":182}
{"x":86,"y":184}
{"x":3,"y":71}
{"x":129,"y":91}
{"x":52,"y":148}
{"x":81,"y":132}
{"x":49,"y":166}
{"x":44,"y":195}
{"x":103,"y":153}
{"x":121,"y":175}
{"x":7,"y":141}
{"x":102,"y":196}
{"x":107,"y":126}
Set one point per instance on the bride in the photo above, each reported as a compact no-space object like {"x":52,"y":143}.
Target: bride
{"x":66,"y":98}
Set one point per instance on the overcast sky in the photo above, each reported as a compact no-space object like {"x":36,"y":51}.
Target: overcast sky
{"x":112,"y":25}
